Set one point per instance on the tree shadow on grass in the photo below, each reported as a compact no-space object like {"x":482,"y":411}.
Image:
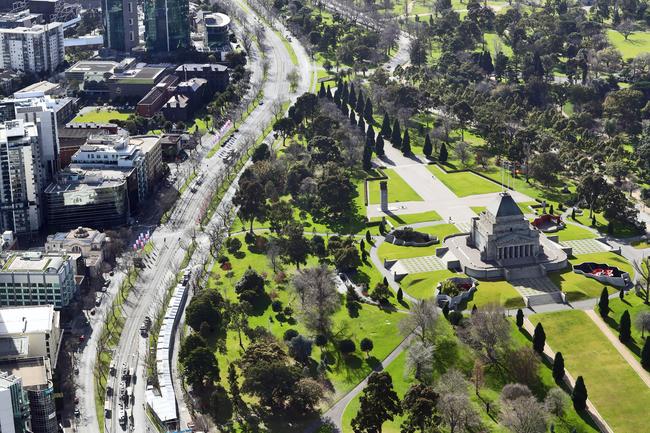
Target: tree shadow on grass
{"x":374,"y":363}
{"x":353,"y":309}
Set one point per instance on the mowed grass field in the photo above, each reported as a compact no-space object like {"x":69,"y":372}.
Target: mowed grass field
{"x":464,"y":183}
{"x":616,"y":390}
{"x":574,"y":232}
{"x":102,"y":115}
{"x":389,"y":251}
{"x":637,"y":43}
{"x":398,"y":189}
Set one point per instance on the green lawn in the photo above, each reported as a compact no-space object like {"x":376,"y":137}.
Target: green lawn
{"x":494,"y":43}
{"x":578,"y":286}
{"x":640,"y":244}
{"x":496,"y":292}
{"x":414,"y":218}
{"x":634,"y":305}
{"x":572,"y":232}
{"x":423,"y":285}
{"x":398,"y":189}
{"x":478,"y":209}
{"x":615,"y":389}
{"x":637,"y":43}
{"x":102,"y":115}
{"x":620,"y":231}
{"x":464,"y":183}
{"x":389,"y":251}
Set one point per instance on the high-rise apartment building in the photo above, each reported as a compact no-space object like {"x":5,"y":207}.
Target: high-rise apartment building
{"x":167,"y":26}
{"x":21,"y":177}
{"x":14,"y":405}
{"x":120,"y":24}
{"x":32,"y":49}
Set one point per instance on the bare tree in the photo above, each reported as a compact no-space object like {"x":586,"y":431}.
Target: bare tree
{"x":319,"y":298}
{"x":556,"y":402}
{"x":626,"y":28}
{"x":422,"y":321}
{"x":489,"y":332}
{"x":277,"y":109}
{"x":456,"y":409}
{"x":419,"y":361}
{"x":462,"y":151}
{"x":523,"y":365}
{"x":274,"y":254}
{"x":642,"y":269}
{"x":642,"y":322}
{"x":524,"y":415}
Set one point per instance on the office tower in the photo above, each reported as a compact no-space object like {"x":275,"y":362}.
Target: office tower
{"x":167,"y":26}
{"x":120,"y":24}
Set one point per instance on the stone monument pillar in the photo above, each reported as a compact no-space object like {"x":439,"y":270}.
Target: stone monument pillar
{"x":383,"y":191}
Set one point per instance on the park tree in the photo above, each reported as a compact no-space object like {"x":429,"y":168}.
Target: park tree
{"x":200,"y":368}
{"x":367,"y":157}
{"x":419,"y":408}
{"x":396,"y":135}
{"x":418,"y":52}
{"x":523,"y":415}
{"x":454,"y":406}
{"x":645,"y":354}
{"x":642,"y":322}
{"x":624,"y":327}
{"x":261,"y":153}
{"x":344,"y":252}
{"x":464,"y":113}
{"x":422,"y":321}
{"x":603,"y":303}
{"x":366,"y":345}
{"x":319,"y":299}
{"x":250,"y":202}
{"x":624,"y":107}
{"x":386,"y":130}
{"x":300,"y":348}
{"x":558,"y":367}
{"x":285,"y":127}
{"x":420,"y":361}
{"x":347,"y":347}
{"x":444,"y":155}
{"x":378,"y":403}
{"x":427,"y":149}
{"x":642,"y":269}
{"x":280,"y":215}
{"x":381,"y":293}
{"x":221,"y":408}
{"x":190,"y":343}
{"x":539,"y":338}
{"x":489,"y":332}
{"x":368,"y":112}
{"x":591,"y":188}
{"x":379,"y":146}
{"x":520,"y":318}
{"x":205,"y":307}
{"x":406,"y":143}
{"x":579,"y":395}
{"x":250,"y":287}
{"x":544,"y":167}
{"x":295,"y":245}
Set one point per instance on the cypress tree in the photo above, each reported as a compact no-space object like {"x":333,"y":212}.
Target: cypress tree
{"x":624,"y":327}
{"x":353,"y":118}
{"x":400,"y":295}
{"x":645,"y":354}
{"x":579,"y":395}
{"x":368,"y":236}
{"x":328,"y":93}
{"x":573,"y":214}
{"x":406,"y":143}
{"x":352,"y":97}
{"x":370,"y":139}
{"x":362,"y":124}
{"x":427,"y":148}
{"x":396,"y":135}
{"x":539,"y":338}
{"x":344,"y":93}
{"x":603,"y":303}
{"x":367,"y":112}
{"x":385,"y":127}
{"x":621,"y":294}
{"x":443,"y":153}
{"x":445,"y":309}
{"x":379,"y":145}
{"x":361,"y":104}
{"x":385,"y":281}
{"x":321,"y":91}
{"x":558,"y":367}
{"x":367,"y":158}
{"x":520,"y":318}
{"x":344,"y":107}
{"x":474,"y":309}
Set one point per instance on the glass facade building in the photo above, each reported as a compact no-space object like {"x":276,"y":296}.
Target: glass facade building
{"x":120,"y":24}
{"x":167,"y":26}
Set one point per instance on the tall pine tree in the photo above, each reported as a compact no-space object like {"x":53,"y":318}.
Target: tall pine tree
{"x":379,"y":145}
{"x":396,"y":135}
{"x":367,"y":158}
{"x":539,"y":338}
{"x":378,"y":403}
{"x":645,"y":354}
{"x":625,"y":327}
{"x":444,"y":155}
{"x":427,"y":149}
{"x":520,"y":318}
{"x":406,"y":143}
{"x":385,"y":127}
{"x":579,"y":394}
{"x":321,"y":91}
{"x":368,"y":112}
{"x":558,"y":367}
{"x":362,"y":124}
{"x":603,"y":303}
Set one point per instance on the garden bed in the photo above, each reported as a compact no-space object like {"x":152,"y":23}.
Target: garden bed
{"x":603,"y":273}
{"x":408,"y":237}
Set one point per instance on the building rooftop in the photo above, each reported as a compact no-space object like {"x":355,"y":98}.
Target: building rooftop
{"x":195,"y":67}
{"x":37,"y":89}
{"x":97,"y":66}
{"x":216,"y":19}
{"x":504,"y":206}
{"x":34,"y":372}
{"x":34,"y":30}
{"x":32,"y":261}
{"x":140,"y":74}
{"x":26,"y":320}
{"x":81,"y":183}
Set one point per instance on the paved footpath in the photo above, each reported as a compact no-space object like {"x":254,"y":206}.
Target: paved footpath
{"x":622,"y":349}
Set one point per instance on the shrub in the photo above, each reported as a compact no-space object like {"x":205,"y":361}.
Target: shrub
{"x":288,"y":311}
{"x":233,"y":245}
{"x":249,"y":238}
{"x":276,"y":306}
{"x":455,"y":317}
{"x":366,"y":345}
{"x":320,"y":340}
